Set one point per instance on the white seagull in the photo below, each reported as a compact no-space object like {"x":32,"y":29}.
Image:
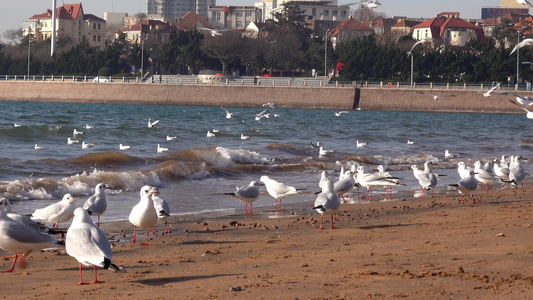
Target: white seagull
{"x":210,"y":134}
{"x":323,"y":152}
{"x":72,"y":141}
{"x":97,"y":203}
{"x":37,"y":147}
{"x":87,"y":126}
{"x":344,"y":185}
{"x":463,"y":170}
{"x":229,"y":114}
{"x":21,"y":239}
{"x":466,"y":185}
{"x":247,"y":194}
{"x":16,"y":125}
{"x":162,"y":209}
{"x":416,"y":171}
{"x":161,"y":149}
{"x":516,"y":171}
{"x":88,"y":244}
{"x":5,"y":204}
{"x":143,"y":214}
{"x":338,"y":114}
{"x":449,"y":155}
{"x":525,"y":42}
{"x":489,"y":92}
{"x":360,"y":144}
{"x":427,"y":179}
{"x":171,"y":138}
{"x":213,"y":32}
{"x":410,"y":142}
{"x":76,"y":132}
{"x":152,"y":124}
{"x":484,"y":177}
{"x":58,"y":212}
{"x":85,"y":145}
{"x":244,"y":137}
{"x":124,"y":147}
{"x":327,"y":202}
{"x":277,"y":189}
{"x":371,"y":181}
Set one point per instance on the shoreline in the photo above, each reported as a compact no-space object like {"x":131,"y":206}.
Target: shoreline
{"x":416,"y":248}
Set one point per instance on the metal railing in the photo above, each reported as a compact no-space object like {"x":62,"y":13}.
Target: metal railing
{"x":267,"y":81}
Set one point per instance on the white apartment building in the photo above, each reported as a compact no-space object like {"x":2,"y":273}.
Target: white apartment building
{"x":319,"y":9}
{"x":172,"y":10}
{"x":233,"y":17}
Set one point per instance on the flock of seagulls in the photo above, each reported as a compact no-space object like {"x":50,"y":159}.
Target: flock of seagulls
{"x":84,"y":241}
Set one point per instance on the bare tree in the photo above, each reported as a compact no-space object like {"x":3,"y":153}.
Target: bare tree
{"x":14,"y":35}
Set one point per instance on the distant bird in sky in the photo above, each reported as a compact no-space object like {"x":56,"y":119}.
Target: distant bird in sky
{"x":525,"y":42}
{"x":213,"y":32}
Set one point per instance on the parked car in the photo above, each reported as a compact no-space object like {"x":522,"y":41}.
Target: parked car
{"x":100,"y":79}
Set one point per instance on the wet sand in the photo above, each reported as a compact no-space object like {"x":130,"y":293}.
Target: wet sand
{"x":428,"y":248}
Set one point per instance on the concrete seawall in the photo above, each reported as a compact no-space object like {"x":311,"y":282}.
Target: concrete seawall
{"x":340,"y":98}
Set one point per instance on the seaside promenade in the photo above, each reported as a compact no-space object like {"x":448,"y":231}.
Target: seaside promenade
{"x":392,"y":97}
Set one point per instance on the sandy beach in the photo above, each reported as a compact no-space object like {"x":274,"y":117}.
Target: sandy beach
{"x":428,"y":248}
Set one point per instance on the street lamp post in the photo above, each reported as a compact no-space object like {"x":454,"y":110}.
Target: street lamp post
{"x":517,"y":58}
{"x":326,"y":56}
{"x":29,"y":53}
{"x":412,"y":70}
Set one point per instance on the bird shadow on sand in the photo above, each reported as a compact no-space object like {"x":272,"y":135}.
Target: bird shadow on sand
{"x":200,"y":242}
{"x":167,"y":280}
{"x":387,"y":226}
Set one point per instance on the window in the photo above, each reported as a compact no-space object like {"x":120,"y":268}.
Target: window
{"x":313,"y":12}
{"x":248,"y":13}
{"x":99,"y":38}
{"x":94,"y":38}
{"x":343,"y":13}
{"x":326,"y":12}
{"x":94,"y":25}
{"x":239,"y":24}
{"x":426,"y":33}
{"x":238,"y":13}
{"x":99,"y":26}
{"x":334,"y":12}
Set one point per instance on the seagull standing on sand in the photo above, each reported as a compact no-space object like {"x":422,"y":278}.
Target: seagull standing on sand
{"x":371,"y":181}
{"x":344,"y":185}
{"x":58,"y":212}
{"x":97,"y":203}
{"x":21,"y":239}
{"x":466,"y":185}
{"x":247,"y":194}
{"x":277,"y":189}
{"x":427,"y":179}
{"x":516,"y":171}
{"x":484,"y":177}
{"x":143,"y":214}
{"x":152,"y":124}
{"x":88,"y":244}
{"x":327,"y":202}
{"x":162,"y":209}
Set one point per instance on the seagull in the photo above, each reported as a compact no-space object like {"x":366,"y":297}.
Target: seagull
{"x":263,"y":114}
{"x":516,"y":171}
{"x":5,"y":204}
{"x":143,"y":215}
{"x":21,"y":239}
{"x":161,"y":149}
{"x":360,"y":144}
{"x":466,"y":185}
{"x":124,"y":147}
{"x":371,"y":181}
{"x":213,"y":32}
{"x":72,"y":141}
{"x":171,"y":138}
{"x":489,"y":92}
{"x":338,"y":114}
{"x":87,"y":126}
{"x":37,"y":147}
{"x":215,"y":130}
{"x":484,"y":177}
{"x":229,"y":115}
{"x":76,"y":132}
{"x":85,"y":145}
{"x":152,"y":124}
{"x":529,"y":113}
{"x":427,"y":179}
{"x":244,"y":137}
{"x":247,"y":194}
{"x":449,"y":155}
{"x":58,"y":212}
{"x":16,"y":125}
{"x":277,"y":189}
{"x":210,"y":134}
{"x":323,"y":152}
{"x":525,"y":42}
{"x":344,"y":185}
{"x":161,"y":208}
{"x":501,"y":171}
{"x":524,"y":2}
{"x":88,"y":244}
{"x":410,"y":142}
{"x":269,"y":104}
{"x":97,"y":203}
{"x":525,"y":101}
{"x":327,"y":201}
{"x":416,"y":171}
{"x":463,"y":170}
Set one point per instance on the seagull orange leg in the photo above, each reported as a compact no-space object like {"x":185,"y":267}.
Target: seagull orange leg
{"x":81,"y":282}
{"x":13,"y":265}
{"x":95,"y":279}
{"x":332,"y":227}
{"x":134,"y":227}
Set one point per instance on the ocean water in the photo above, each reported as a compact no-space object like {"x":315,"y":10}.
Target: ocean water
{"x":196,"y":170}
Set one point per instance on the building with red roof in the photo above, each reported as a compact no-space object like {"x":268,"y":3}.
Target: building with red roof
{"x":349,"y":30}
{"x":71,"y":23}
{"x":451,"y":31}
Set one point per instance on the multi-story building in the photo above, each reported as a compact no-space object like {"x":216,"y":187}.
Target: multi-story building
{"x":156,"y":30}
{"x":452,"y":31}
{"x":318,"y":10}
{"x":173,"y":10}
{"x":267,"y":8}
{"x":71,"y":23}
{"x":233,"y":17}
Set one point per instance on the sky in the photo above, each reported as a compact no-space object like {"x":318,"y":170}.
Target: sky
{"x":14,"y":13}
